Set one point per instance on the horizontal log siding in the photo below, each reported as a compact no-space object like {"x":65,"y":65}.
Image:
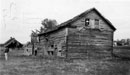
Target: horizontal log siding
{"x":57,"y":37}
{"x":92,"y":43}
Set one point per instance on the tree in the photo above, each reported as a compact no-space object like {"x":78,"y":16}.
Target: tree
{"x":48,"y":24}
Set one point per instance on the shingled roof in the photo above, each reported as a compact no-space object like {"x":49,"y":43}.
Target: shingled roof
{"x":67,"y":23}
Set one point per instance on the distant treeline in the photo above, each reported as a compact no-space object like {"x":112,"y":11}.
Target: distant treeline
{"x":122,"y":42}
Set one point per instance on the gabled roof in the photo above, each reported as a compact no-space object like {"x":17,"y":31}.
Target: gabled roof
{"x":12,"y":41}
{"x":64,"y":24}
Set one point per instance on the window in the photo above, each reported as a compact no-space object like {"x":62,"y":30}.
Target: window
{"x":87,"y":21}
{"x":96,"y":23}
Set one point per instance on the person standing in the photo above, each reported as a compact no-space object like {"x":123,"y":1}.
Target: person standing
{"x":6,"y":53}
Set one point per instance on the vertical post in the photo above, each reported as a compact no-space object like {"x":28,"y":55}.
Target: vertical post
{"x":32,"y":49}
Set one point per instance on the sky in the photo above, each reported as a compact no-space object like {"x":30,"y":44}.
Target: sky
{"x":19,"y":17}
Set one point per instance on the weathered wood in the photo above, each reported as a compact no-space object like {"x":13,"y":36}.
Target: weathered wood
{"x":57,"y":39}
{"x":87,"y":41}
{"x":75,"y":39}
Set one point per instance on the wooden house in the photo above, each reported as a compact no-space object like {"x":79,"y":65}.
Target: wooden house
{"x":89,"y":34}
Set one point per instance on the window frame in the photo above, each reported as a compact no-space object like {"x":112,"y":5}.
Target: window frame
{"x":96,"y":23}
{"x":87,"y":22}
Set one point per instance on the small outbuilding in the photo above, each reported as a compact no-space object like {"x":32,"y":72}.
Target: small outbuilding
{"x":12,"y":43}
{"x":28,"y":49}
{"x":15,"y":47}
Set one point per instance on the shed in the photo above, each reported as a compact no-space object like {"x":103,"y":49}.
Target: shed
{"x":13,"y":43}
{"x":28,"y":49}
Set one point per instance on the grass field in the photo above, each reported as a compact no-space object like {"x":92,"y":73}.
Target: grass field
{"x":123,"y":51}
{"x":29,"y":65}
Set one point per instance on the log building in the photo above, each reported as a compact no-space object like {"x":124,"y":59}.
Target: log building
{"x":12,"y":43}
{"x":89,"y":34}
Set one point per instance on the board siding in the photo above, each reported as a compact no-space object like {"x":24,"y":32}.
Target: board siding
{"x":84,"y":42}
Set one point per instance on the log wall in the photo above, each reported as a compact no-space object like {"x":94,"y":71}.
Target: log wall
{"x":58,"y":39}
{"x":81,"y":41}
{"x":92,"y":15}
{"x":89,"y":42}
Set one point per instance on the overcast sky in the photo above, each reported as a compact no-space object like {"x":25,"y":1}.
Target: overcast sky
{"x":19,"y":17}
